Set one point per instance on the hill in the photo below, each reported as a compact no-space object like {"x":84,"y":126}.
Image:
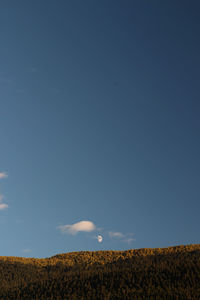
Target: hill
{"x":166,"y":273}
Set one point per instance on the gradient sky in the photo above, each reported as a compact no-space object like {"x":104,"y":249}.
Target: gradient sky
{"x":99,"y":122}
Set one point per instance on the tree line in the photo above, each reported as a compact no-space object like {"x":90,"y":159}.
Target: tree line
{"x":168,"y":273}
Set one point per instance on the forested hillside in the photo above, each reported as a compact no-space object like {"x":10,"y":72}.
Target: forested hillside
{"x":168,"y":273}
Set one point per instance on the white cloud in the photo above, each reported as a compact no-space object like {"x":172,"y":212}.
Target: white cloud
{"x":2,"y":205}
{"x":3,"y":175}
{"x":116,"y":234}
{"x":86,"y":226}
{"x":129,"y":240}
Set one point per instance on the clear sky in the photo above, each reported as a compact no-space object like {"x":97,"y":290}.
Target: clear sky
{"x":99,"y":125}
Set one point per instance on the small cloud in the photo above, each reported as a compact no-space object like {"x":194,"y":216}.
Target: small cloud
{"x":26,"y":250}
{"x":116,"y":234}
{"x":129,"y":240}
{"x":3,"y":175}
{"x":85,"y":226}
{"x":2,"y":205}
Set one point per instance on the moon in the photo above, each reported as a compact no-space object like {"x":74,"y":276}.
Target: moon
{"x":100,"y":238}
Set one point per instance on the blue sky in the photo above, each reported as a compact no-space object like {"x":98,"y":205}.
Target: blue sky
{"x":99,"y":125}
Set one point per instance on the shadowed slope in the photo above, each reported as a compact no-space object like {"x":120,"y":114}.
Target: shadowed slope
{"x":168,"y":273}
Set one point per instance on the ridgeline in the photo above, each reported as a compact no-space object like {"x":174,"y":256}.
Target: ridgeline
{"x":149,"y":274}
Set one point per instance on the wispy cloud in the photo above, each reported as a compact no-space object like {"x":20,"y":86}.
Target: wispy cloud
{"x":85,"y":226}
{"x":3,"y":175}
{"x":116,"y":234}
{"x":2,"y":205}
{"x":127,"y":238}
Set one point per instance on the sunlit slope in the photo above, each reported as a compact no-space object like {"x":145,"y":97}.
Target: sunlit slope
{"x":167,"y":273}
